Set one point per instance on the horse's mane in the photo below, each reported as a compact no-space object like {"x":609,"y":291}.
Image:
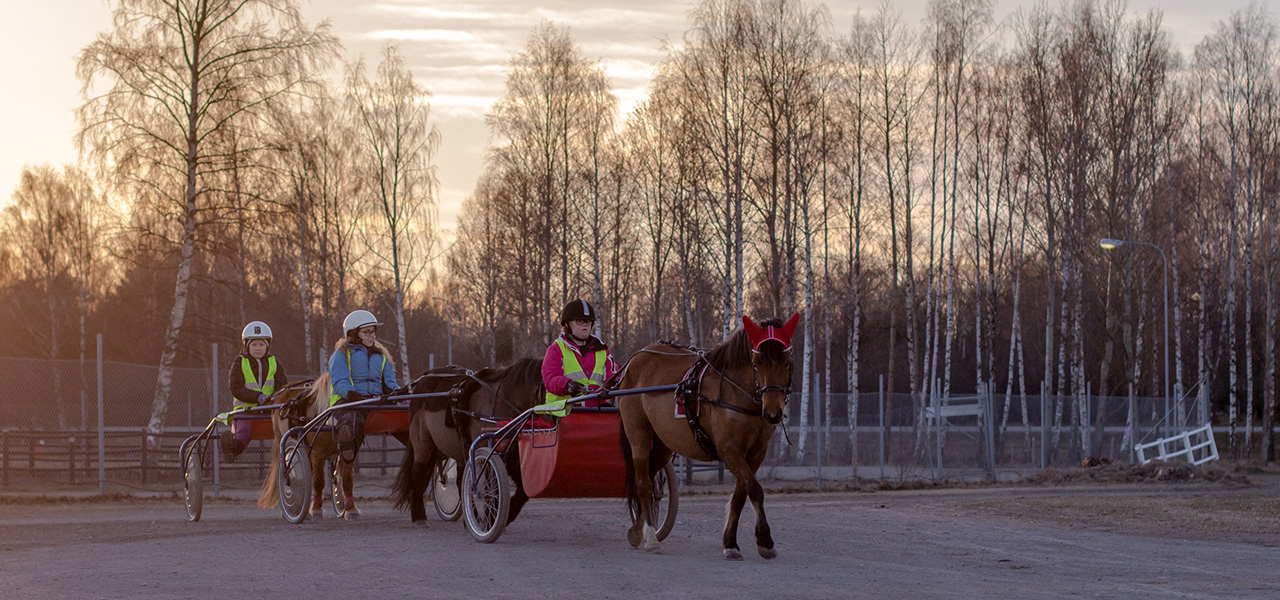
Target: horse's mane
{"x":319,"y":389}
{"x":524,"y":369}
{"x":737,"y":349}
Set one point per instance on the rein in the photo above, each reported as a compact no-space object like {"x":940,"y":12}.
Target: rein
{"x":757,"y":397}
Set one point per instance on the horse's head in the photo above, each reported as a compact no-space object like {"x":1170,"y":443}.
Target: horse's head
{"x":298,"y":396}
{"x":771,"y":363}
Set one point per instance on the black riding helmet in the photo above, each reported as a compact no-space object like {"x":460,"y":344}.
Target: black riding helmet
{"x":578,"y":310}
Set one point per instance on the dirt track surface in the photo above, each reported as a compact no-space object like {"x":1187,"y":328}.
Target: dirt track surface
{"x":1111,"y":542}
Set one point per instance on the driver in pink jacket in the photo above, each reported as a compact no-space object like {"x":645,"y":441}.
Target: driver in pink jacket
{"x":577,"y":362}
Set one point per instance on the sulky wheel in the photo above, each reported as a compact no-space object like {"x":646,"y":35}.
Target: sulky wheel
{"x":487,"y":502}
{"x":192,"y":480}
{"x":665,"y":501}
{"x":335,"y":487}
{"x":444,"y":491}
{"x":294,"y":486}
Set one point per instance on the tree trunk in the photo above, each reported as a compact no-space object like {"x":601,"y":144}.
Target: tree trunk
{"x":164,"y":376}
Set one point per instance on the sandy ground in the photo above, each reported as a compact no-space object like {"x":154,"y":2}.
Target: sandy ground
{"x":1102,"y":541}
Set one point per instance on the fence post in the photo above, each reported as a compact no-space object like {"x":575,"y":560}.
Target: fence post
{"x":935,"y":399}
{"x":217,"y":454}
{"x":102,"y":442}
{"x":1204,"y":405}
{"x":1044,"y":427}
{"x":4,"y":446}
{"x":817,"y":388}
{"x":991,"y":431}
{"x":145,"y":455}
{"x":71,"y":458}
{"x":882,"y":426}
{"x":1133,"y":429}
{"x":1088,"y":424}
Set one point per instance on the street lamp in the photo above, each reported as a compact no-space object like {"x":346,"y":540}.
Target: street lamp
{"x":448,"y":325}
{"x":1111,"y":244}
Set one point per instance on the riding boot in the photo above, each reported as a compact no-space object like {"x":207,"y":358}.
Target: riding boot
{"x":349,"y":434}
{"x":231,"y":448}
{"x":344,"y":434}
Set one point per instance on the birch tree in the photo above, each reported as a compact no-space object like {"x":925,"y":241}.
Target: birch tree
{"x":392,"y":114}
{"x":166,"y":87}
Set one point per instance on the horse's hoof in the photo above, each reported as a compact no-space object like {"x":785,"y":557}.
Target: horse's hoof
{"x":420,"y":524}
{"x":650,"y":538}
{"x":633,"y":538}
{"x":732,"y":554}
{"x":653,"y":547}
{"x":767,"y":552}
{"x":351,"y":514}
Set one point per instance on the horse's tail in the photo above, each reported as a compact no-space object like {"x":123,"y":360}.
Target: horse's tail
{"x":402,"y":492}
{"x":267,"y":496}
{"x":633,"y":498}
{"x":267,"y":493}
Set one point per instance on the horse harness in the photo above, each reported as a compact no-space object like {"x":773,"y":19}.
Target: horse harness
{"x":690,"y":397}
{"x":453,"y":403}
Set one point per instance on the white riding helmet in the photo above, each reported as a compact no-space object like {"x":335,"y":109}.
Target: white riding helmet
{"x":358,"y":319}
{"x":256,"y":330}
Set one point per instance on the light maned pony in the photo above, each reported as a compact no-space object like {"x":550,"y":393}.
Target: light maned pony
{"x":321,"y":447}
{"x":738,"y":402}
{"x":301,"y":406}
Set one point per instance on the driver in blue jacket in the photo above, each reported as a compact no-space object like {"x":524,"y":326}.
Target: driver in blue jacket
{"x":359,"y":368}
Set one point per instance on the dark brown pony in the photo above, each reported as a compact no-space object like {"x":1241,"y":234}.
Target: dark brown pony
{"x":441,"y":429}
{"x":742,"y":394}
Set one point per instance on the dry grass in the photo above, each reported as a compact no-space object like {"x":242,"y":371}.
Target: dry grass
{"x":1155,"y":471}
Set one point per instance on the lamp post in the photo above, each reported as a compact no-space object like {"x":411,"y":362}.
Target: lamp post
{"x":448,"y":327}
{"x":1111,"y":244}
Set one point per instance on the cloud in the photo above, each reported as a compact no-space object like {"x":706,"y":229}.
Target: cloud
{"x":423,"y":35}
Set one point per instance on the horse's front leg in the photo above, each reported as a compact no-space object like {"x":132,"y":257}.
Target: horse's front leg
{"x":520,"y":498}
{"x":318,"y":465}
{"x":732,"y":513}
{"x":747,"y":487}
{"x":346,"y":474}
{"x":764,"y":539}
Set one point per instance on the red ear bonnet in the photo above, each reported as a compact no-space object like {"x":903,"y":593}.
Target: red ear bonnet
{"x":760,"y":335}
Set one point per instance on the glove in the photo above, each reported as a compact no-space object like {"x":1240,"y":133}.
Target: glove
{"x":354,"y":396}
{"x":385,"y":399}
{"x":575,"y":389}
{"x":262,"y":399}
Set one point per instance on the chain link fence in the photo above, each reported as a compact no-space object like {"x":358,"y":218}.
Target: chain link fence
{"x":917,"y":437}
{"x":50,"y":436}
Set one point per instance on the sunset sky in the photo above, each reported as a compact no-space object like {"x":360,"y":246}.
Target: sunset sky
{"x":456,"y":49}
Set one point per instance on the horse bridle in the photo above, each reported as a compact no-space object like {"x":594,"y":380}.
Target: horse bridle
{"x":756,"y":397}
{"x":761,"y":390}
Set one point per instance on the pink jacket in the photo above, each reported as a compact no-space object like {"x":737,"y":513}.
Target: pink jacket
{"x":553,"y":363}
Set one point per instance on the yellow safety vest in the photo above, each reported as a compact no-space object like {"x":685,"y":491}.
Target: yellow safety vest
{"x":573,"y":370}
{"x":268,"y":385}
{"x":334,"y":398}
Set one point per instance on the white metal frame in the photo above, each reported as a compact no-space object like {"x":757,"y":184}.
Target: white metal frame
{"x":1196,"y":445}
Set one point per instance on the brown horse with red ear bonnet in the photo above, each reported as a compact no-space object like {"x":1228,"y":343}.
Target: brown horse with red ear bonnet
{"x":730,"y":400}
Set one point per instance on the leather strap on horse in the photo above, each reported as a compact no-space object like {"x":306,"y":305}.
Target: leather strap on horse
{"x":689,"y":395}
